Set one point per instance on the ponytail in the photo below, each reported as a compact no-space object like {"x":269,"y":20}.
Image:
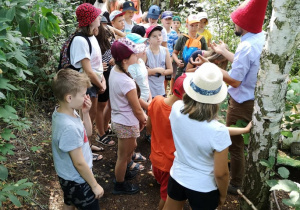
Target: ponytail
{"x":120,"y":66}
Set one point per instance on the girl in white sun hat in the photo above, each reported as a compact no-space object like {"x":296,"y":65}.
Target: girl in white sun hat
{"x":200,"y":169}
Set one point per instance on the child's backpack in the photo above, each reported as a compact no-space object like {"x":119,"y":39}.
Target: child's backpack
{"x":191,"y":45}
{"x":64,"y":60}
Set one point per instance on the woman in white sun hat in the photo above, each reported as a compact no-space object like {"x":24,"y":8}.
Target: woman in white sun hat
{"x":200,"y":169}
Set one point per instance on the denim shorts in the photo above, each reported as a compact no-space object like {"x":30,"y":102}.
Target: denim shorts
{"x":93,"y":91}
{"x":79,"y":195}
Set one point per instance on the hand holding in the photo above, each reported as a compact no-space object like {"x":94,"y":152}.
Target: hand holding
{"x":98,"y":191}
{"x":87,"y":104}
{"x":180,"y":63}
{"x":249,"y":126}
{"x":112,"y":62}
{"x":105,"y":67}
{"x":218,"y":48}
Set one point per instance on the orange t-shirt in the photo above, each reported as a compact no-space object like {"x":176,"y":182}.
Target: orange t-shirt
{"x":162,"y":143}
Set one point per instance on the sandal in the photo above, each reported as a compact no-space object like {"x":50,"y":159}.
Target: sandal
{"x":136,"y":167}
{"x":138,"y":157}
{"x":97,"y":157}
{"x":105,"y":140}
{"x":96,"y":148}
{"x":109,"y":132}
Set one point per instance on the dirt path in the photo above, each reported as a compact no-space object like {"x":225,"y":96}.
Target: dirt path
{"x":46,"y":194}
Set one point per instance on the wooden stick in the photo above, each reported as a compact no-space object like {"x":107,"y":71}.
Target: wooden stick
{"x":246,"y":199}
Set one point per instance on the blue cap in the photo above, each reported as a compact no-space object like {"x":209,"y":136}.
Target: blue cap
{"x":128,"y":5}
{"x":167,"y":14}
{"x":153,"y":12}
{"x":136,"y":38}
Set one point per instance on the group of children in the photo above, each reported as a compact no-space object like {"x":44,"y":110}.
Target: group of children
{"x":123,"y":80}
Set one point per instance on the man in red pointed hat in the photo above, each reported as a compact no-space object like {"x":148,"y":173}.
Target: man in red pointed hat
{"x":248,"y":19}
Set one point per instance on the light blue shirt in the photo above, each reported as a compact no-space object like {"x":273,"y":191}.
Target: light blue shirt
{"x":172,"y":39}
{"x":245,"y":66}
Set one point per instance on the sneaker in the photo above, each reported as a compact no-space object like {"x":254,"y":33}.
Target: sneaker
{"x":233,"y":189}
{"x":125,"y":188}
{"x":148,"y":138}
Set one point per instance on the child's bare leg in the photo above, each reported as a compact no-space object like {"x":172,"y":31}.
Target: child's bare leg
{"x":100,"y":117}
{"x":161,"y":204}
{"x":172,"y":204}
{"x":125,"y":149}
{"x":107,"y":115}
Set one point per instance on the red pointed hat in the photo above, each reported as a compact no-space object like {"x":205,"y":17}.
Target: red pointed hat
{"x":250,"y":15}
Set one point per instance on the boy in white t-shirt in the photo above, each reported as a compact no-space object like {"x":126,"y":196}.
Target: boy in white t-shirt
{"x":128,"y":9}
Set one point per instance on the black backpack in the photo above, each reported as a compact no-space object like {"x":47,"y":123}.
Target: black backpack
{"x":64,"y":60}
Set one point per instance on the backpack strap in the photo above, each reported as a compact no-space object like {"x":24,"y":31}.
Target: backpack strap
{"x":186,"y":35}
{"x":199,"y":37}
{"x":86,"y":38}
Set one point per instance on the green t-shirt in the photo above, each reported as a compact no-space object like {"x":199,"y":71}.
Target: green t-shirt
{"x":179,"y":46}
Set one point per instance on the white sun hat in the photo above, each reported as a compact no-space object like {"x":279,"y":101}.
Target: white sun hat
{"x":206,"y":85}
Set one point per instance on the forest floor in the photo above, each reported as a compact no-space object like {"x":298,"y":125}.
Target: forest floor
{"x":38,"y":168}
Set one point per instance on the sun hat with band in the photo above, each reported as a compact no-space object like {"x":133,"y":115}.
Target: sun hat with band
{"x":206,"y":85}
{"x":151,"y":29}
{"x":86,"y":14}
{"x":123,"y":48}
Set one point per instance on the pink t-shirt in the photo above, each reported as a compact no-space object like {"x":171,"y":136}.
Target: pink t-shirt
{"x":119,"y":85}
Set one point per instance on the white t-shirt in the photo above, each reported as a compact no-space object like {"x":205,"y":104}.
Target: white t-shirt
{"x":195,"y":143}
{"x":128,"y":27}
{"x":163,"y":32}
{"x":121,"y":111}
{"x":80,"y":49}
{"x":140,"y":74}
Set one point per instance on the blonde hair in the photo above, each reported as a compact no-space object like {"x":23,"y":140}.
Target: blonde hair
{"x":69,"y":81}
{"x":144,"y":17}
{"x":199,"y":111}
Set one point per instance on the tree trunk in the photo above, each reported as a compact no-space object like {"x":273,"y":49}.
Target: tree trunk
{"x":276,"y":61}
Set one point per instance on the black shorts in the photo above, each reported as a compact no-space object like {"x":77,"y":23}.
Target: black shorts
{"x":79,"y":195}
{"x":197,"y":200}
{"x":105,"y":96}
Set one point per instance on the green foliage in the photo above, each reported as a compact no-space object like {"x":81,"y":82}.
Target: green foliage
{"x":283,"y":159}
{"x":11,"y":191}
{"x":19,"y":20}
{"x":291,"y":120}
{"x":285,"y":185}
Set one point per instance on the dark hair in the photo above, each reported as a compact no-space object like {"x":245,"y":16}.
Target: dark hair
{"x":120,"y":66}
{"x":104,"y":36}
{"x":85,"y":30}
{"x":140,"y":30}
{"x":199,"y":111}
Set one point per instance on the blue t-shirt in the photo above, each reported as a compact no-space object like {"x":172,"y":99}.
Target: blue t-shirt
{"x":172,"y":38}
{"x":68,"y":133}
